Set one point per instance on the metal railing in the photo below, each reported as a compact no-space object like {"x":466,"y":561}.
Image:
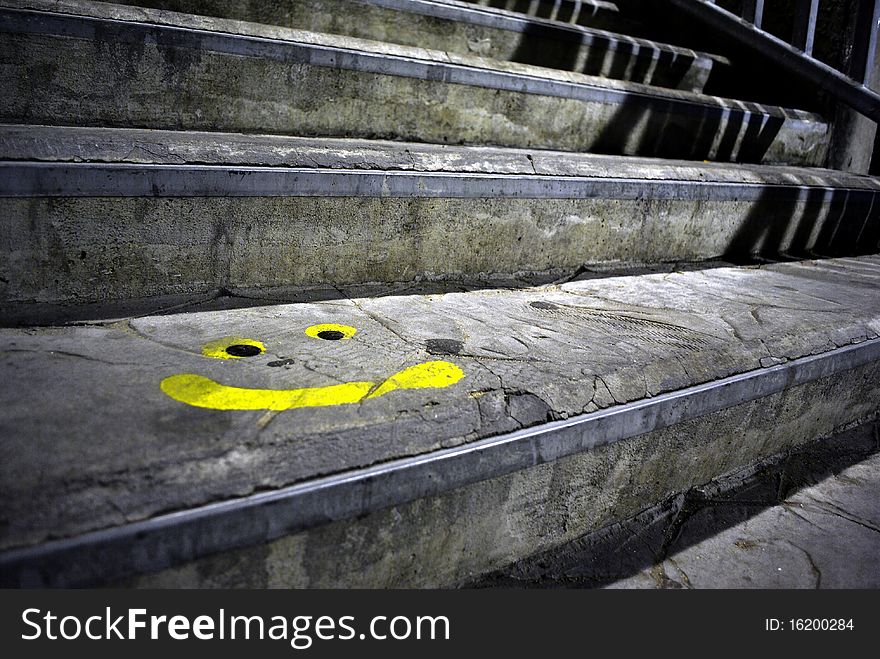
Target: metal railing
{"x":797,"y":57}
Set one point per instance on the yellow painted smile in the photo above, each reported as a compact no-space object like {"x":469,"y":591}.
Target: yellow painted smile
{"x":199,"y":391}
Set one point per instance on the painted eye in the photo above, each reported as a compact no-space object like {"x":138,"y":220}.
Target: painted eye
{"x":233,"y":347}
{"x":243,"y":350}
{"x":331,"y":332}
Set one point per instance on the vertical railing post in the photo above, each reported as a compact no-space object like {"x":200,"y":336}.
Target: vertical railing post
{"x":864,"y":50}
{"x":753,"y":12}
{"x":804,"y":32}
{"x":853,"y":136}
{"x":871,"y":77}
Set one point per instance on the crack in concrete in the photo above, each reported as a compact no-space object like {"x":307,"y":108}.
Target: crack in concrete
{"x":134,"y":330}
{"x":733,"y":329}
{"x":753,"y":312}
{"x":266,"y":419}
{"x":592,"y":400}
{"x":685,"y":578}
{"x":162,"y":158}
{"x":312,"y":369}
{"x":479,"y":360}
{"x":832,"y":509}
{"x":764,"y":305}
{"x":814,"y":567}
{"x":520,"y":360}
{"x":480,"y":416}
{"x":661,"y":579}
{"x":607,"y":388}
{"x":385,"y":323}
{"x":565,"y":279}
{"x":791,"y":509}
{"x":64,"y":353}
{"x":521,"y":342}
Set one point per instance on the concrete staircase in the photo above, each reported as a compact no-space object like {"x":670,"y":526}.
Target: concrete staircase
{"x":397,"y":292}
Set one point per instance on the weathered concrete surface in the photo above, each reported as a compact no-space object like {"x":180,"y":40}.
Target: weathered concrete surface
{"x":169,"y":147}
{"x":824,"y":536}
{"x":67,"y":249}
{"x":806,"y":518}
{"x":487,"y":32}
{"x":595,"y":13}
{"x":812,"y":540}
{"x":92,"y":441}
{"x":134,"y":68}
{"x":453,"y":540}
{"x":97,"y":250}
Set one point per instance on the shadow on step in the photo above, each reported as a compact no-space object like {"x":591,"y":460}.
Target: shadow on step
{"x":618,"y":59}
{"x":656,"y":127}
{"x":577,"y":12}
{"x":810,"y":223}
{"x":625,"y":549}
{"x":662,"y":127}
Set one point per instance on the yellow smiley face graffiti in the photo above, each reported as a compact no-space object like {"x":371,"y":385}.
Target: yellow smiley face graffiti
{"x":199,"y":391}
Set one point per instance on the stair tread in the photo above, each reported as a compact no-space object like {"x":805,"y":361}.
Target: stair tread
{"x":330,"y":85}
{"x":69,"y":144}
{"x":480,"y":15}
{"x":92,"y":441}
{"x":471,"y":29}
{"x":234,"y":28}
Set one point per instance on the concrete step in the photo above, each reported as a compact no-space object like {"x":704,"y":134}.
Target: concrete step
{"x":84,"y":63}
{"x":466,"y":29}
{"x":591,"y":13}
{"x":412,"y":439}
{"x":106,"y":216}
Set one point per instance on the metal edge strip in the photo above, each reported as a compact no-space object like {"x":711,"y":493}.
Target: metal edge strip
{"x":184,"y":536}
{"x":27,"y":21}
{"x":50,"y":179}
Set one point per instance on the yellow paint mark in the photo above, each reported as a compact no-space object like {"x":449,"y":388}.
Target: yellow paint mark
{"x":430,"y":375}
{"x":347,"y":331}
{"x":199,"y":391}
{"x":217,"y":349}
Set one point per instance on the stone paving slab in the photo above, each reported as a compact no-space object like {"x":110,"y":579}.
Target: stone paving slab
{"x":823,"y":536}
{"x":106,"y":424}
{"x":804,"y":516}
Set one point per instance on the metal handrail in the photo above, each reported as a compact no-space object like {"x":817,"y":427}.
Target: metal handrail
{"x":798,"y":61}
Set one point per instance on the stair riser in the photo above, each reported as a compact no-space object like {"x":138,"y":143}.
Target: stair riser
{"x":114,"y":74}
{"x":282,"y":228}
{"x":470,"y":31}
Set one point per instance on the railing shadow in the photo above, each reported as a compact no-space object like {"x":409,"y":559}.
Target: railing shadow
{"x":666,"y":128}
{"x":607,"y":57}
{"x":810,"y":223}
{"x":653,"y":124}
